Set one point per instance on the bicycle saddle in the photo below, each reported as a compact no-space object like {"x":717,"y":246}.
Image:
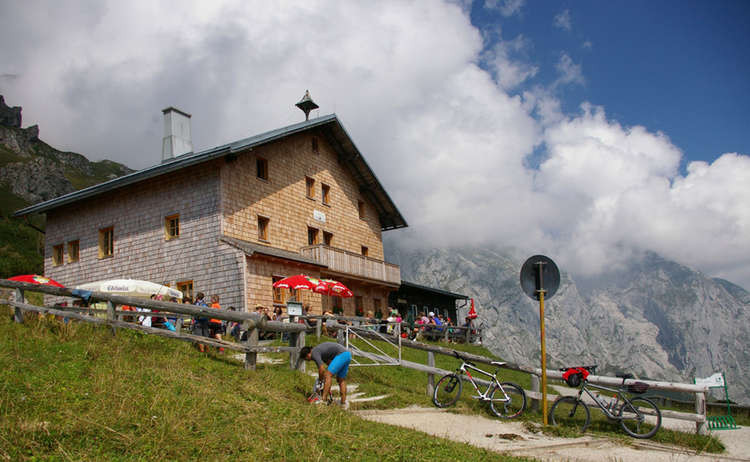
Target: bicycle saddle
{"x":624,"y":376}
{"x":498,"y":363}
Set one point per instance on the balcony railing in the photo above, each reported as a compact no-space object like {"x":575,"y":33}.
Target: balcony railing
{"x":343,"y":261}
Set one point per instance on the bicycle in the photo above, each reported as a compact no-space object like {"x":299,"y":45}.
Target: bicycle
{"x":506,"y":399}
{"x":635,"y":415}
{"x":317,"y":393}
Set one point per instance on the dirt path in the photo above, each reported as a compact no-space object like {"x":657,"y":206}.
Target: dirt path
{"x":513,"y":438}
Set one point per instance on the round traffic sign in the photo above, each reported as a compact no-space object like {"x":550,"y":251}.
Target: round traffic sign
{"x":540,"y":273}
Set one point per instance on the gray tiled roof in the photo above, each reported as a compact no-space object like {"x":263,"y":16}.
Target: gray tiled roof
{"x":329,"y":126}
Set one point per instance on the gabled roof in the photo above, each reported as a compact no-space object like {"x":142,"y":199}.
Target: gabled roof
{"x":328,"y":125}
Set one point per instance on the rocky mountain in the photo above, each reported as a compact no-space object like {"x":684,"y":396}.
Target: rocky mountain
{"x":32,"y":171}
{"x":657,"y":319}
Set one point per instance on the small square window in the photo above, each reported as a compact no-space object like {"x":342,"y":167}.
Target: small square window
{"x":310,"y":185}
{"x":263,"y":228}
{"x":57,"y":255}
{"x":365,"y":251}
{"x":172,"y":227}
{"x":279,"y":295}
{"x":186,"y":287}
{"x":106,"y":242}
{"x":361,"y":209}
{"x":327,"y":238}
{"x":262,"y":168}
{"x":74,"y":251}
{"x":325,"y":192}
{"x":312,"y":236}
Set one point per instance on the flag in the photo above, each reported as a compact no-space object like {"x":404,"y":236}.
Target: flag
{"x":716,"y":380}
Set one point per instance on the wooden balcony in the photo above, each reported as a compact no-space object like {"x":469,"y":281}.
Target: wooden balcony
{"x":350,"y":263}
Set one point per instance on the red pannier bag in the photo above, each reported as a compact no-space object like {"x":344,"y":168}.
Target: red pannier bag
{"x":574,"y":375}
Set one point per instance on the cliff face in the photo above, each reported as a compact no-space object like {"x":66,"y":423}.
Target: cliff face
{"x":657,"y":319}
{"x":33,"y":171}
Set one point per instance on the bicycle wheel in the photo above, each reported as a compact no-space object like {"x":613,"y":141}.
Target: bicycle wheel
{"x":640,"y":418}
{"x":571,"y":412}
{"x":508,"y":400}
{"x":447,"y":390}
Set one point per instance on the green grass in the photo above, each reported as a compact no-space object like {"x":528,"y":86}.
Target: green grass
{"x":21,"y":248}
{"x":75,"y":392}
{"x":600,"y":425}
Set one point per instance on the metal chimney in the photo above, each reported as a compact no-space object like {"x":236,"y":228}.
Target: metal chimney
{"x":177,"y":138}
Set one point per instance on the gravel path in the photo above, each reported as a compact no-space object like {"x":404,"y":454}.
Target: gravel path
{"x":513,"y":438}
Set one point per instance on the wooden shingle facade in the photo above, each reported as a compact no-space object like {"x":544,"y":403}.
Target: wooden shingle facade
{"x":232,"y":219}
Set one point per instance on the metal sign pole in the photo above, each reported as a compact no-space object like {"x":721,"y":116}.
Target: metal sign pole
{"x":533,"y":274}
{"x":541,"y":292}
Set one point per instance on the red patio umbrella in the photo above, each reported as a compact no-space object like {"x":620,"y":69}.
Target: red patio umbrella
{"x":472,"y":312}
{"x":301,"y":281}
{"x":337,"y":289}
{"x":36,"y":279}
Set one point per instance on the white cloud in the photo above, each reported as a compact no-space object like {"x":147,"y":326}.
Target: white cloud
{"x":563,"y":21}
{"x":569,"y":72}
{"x":505,"y":7}
{"x":509,"y":70}
{"x":448,"y":141}
{"x":617,"y":189}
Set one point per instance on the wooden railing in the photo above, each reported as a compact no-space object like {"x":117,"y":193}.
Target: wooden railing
{"x":699,"y":417}
{"x":343,"y":261}
{"x":252,"y":323}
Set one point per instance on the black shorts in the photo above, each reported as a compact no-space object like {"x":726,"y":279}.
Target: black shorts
{"x":215,"y":328}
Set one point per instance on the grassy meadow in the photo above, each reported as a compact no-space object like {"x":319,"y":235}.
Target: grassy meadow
{"x":75,"y":392}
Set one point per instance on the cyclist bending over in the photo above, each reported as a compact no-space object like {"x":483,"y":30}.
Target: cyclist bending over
{"x":332,"y":359}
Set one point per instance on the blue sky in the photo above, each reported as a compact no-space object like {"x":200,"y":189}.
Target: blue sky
{"x":681,"y":67}
{"x":590,"y":131}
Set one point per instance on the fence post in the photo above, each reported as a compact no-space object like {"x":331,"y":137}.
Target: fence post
{"x":251,"y":357}
{"x":700,"y":408}
{"x":178,"y":324}
{"x":318,"y":327}
{"x":18,"y":313}
{"x":341,"y":336}
{"x":430,"y":375}
{"x":295,"y":362}
{"x":468,"y":333}
{"x":535,"y":388}
{"x":111,"y":315}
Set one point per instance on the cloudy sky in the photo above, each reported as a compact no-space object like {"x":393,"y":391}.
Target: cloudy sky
{"x":586,"y":130}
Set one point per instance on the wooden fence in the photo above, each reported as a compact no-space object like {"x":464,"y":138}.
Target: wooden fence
{"x":252,"y":323}
{"x":699,"y":416}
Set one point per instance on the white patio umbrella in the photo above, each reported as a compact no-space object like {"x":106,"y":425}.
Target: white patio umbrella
{"x":131,"y":288}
